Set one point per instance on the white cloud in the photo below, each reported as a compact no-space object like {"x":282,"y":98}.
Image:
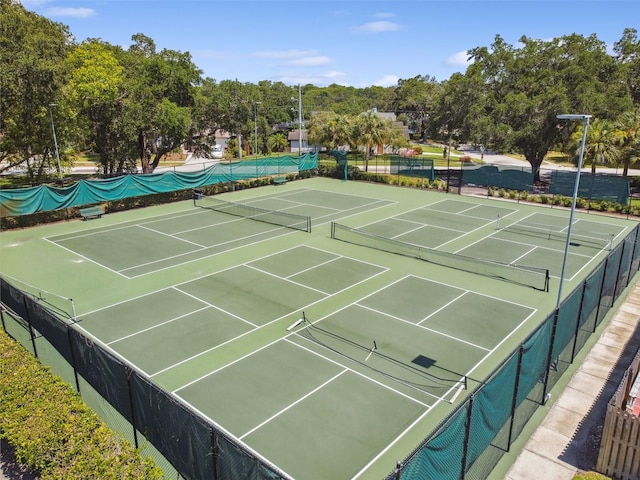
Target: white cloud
{"x":284,"y":54}
{"x":378,"y":27}
{"x":310,"y":61}
{"x":459,"y":59}
{"x":321,"y":79}
{"x":387,"y":81}
{"x":54,"y":12}
{"x":32,"y":4}
{"x":384,"y":15}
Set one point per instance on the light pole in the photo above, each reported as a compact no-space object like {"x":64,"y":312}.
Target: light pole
{"x":585,"y":120}
{"x":55,"y":140}
{"x":255,"y":127}
{"x":300,"y":119}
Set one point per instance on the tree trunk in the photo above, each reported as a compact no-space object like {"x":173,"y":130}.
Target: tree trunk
{"x":144,"y":157}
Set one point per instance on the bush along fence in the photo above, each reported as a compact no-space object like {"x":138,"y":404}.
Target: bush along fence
{"x":469,"y":443}
{"x":193,"y":445}
{"x":52,"y":430}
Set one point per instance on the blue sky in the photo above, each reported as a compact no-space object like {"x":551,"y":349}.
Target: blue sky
{"x":352,"y":42}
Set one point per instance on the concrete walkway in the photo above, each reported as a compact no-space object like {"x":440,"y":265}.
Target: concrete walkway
{"x":568,"y":438}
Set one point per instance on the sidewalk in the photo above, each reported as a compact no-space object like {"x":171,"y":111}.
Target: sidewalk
{"x":568,"y":439}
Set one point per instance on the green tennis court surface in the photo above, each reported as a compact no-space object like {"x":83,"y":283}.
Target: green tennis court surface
{"x":328,"y":358}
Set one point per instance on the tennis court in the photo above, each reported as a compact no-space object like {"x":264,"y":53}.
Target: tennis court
{"x":327,"y":358}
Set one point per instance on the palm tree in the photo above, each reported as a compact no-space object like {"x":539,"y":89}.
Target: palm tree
{"x":628,"y":127}
{"x":370,"y":131}
{"x":339,"y":130}
{"x":277,"y":142}
{"x":601,"y":143}
{"x":330,"y":129}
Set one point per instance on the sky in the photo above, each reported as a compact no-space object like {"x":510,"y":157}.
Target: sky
{"x":356,"y":43}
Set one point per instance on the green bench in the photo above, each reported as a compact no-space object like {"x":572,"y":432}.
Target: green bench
{"x":91,"y":212}
{"x":279,"y":180}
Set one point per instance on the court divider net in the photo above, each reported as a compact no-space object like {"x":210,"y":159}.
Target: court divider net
{"x":552,"y":232}
{"x":274,"y":217}
{"x":535,"y":277}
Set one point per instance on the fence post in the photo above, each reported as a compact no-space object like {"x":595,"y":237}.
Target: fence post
{"x":604,"y":276}
{"x":28,"y":319}
{"x":214,"y":453}
{"x":73,"y":360}
{"x":129,"y":372}
{"x":549,"y":355}
{"x":467,"y":434}
{"x":577,"y":330}
{"x":514,"y":403}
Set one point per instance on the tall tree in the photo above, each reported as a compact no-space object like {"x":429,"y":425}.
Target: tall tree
{"x":369,"y":131}
{"x":32,"y":52}
{"x":628,"y":127}
{"x":525,"y":88}
{"x":96,"y":91}
{"x":330,"y":129}
{"x":417,"y":98}
{"x":161,"y":94}
{"x":601,"y":143}
{"x":627,"y":51}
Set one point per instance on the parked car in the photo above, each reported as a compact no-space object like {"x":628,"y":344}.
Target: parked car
{"x":217,"y":151}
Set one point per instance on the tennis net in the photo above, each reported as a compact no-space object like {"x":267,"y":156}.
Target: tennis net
{"x":274,"y":217}
{"x":389,"y":361}
{"x":553,"y":232}
{"x":535,"y":277}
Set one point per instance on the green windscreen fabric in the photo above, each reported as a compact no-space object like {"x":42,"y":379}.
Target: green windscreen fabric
{"x":411,"y":167}
{"x":591,"y":187}
{"x":520,"y":179}
{"x":25,"y":201}
{"x":490,"y":425}
{"x":441,"y":457}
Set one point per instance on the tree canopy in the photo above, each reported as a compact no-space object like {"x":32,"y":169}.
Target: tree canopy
{"x":134,"y":106}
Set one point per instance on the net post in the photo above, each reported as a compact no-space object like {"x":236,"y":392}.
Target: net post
{"x":73,"y":309}
{"x":546,"y":281}
{"x":498,"y":223}
{"x":333,"y":229}
{"x":610,"y":243}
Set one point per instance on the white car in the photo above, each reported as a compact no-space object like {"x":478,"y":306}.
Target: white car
{"x":217,"y":151}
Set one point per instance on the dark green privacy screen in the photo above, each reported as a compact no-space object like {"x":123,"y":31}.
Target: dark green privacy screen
{"x":471,"y":441}
{"x":25,"y":201}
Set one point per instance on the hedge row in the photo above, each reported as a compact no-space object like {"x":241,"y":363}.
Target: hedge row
{"x":53,"y":431}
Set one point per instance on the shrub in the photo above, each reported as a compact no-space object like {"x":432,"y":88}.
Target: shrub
{"x":502,"y":193}
{"x":590,"y":476}
{"x":52,"y":429}
{"x":513,"y":194}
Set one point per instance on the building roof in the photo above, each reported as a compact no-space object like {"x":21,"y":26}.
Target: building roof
{"x":295,"y":135}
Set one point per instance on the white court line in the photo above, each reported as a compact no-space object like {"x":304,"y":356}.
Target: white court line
{"x":251,"y":331}
{"x":419,"y":324}
{"x":215,"y":307}
{"x":360,"y":374}
{"x":204,"y":248}
{"x":287,"y":231}
{"x":286,"y":279}
{"x":170,"y":236}
{"x":291,"y":405}
{"x":73,"y":252}
{"x":144,"y":330}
